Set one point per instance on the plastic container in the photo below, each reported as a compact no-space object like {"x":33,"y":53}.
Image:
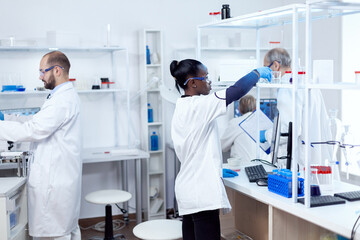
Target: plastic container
{"x":148,"y":58}
{"x":73,"y":81}
{"x":225,"y":11}
{"x":150,"y":113}
{"x":287,"y":78}
{"x":154,"y":142}
{"x":215,"y":16}
{"x":301,"y":77}
{"x":357,"y":77}
{"x":282,"y":185}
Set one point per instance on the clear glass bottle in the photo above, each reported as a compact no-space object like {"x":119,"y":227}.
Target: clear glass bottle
{"x":347,"y":138}
{"x":336,"y":129}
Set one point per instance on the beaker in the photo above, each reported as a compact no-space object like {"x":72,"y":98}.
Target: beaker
{"x":275,"y":76}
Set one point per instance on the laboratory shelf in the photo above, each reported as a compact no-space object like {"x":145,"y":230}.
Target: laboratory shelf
{"x":335,"y":86}
{"x":156,"y":173}
{"x":274,"y":85}
{"x":48,"y":91}
{"x":155,"y":123}
{"x":155,"y":152}
{"x":284,"y":15}
{"x":156,"y":90}
{"x":234,"y":49}
{"x":153,"y":65}
{"x":80,"y":49}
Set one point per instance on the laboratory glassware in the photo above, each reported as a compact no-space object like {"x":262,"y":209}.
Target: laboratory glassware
{"x":275,"y":76}
{"x":347,"y":139}
{"x":150,"y":113}
{"x":225,"y":11}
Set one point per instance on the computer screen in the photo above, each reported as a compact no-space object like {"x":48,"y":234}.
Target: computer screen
{"x":289,"y":147}
{"x":21,"y":111}
{"x":275,"y":139}
{"x":269,"y":107}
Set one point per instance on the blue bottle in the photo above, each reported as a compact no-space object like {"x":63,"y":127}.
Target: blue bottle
{"x":150,"y":113}
{"x":154,"y":142}
{"x":148,"y":61}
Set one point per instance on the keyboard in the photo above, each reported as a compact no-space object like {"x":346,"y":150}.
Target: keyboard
{"x":318,"y":201}
{"x":350,"y":196}
{"x":255,"y":173}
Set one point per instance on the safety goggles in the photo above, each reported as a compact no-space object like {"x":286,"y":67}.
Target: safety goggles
{"x":279,"y":61}
{"x":42,"y":73}
{"x":198,"y":78}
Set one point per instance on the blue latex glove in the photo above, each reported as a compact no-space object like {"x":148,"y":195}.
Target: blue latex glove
{"x":262,"y":136}
{"x":265,"y":72}
{"x":1,"y":116}
{"x":227,"y":173}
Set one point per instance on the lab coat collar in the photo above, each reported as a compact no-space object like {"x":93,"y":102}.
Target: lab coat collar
{"x":57,"y":88}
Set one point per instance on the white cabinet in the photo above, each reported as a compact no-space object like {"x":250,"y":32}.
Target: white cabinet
{"x":151,"y":62}
{"x":13,"y":208}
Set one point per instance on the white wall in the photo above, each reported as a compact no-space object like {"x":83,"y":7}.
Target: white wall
{"x":88,"y":19}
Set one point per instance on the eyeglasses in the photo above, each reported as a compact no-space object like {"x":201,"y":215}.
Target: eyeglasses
{"x":198,"y":78}
{"x":42,"y":73}
{"x":279,"y":61}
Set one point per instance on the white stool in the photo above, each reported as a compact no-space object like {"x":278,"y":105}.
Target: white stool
{"x":108,"y":197}
{"x":162,"y":229}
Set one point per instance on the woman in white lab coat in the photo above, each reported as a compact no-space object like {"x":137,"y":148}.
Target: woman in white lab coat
{"x":235,"y":139}
{"x":199,"y":189}
{"x":54,"y":183}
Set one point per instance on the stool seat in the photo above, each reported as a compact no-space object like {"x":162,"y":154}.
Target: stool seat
{"x":109,"y":196}
{"x":162,"y":229}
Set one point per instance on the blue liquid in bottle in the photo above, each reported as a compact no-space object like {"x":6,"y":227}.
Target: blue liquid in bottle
{"x":150,"y":113}
{"x":148,"y":61}
{"x":154,"y":142}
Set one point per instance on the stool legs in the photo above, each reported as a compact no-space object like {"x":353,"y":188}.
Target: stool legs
{"x":109,"y":234}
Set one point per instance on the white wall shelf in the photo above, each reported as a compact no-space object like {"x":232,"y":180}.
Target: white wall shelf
{"x":46,"y":49}
{"x":155,"y":169}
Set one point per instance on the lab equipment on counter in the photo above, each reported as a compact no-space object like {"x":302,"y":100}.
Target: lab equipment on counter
{"x":275,"y":77}
{"x":337,"y":130}
{"x":357,"y":77}
{"x":15,"y":160}
{"x":150,"y":113}
{"x":347,"y":139}
{"x":148,"y":59}
{"x":215,"y":16}
{"x":280,"y":182}
{"x":154,"y":143}
{"x":225,"y":11}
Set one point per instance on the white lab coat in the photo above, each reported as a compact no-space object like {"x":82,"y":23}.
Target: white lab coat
{"x":198,"y":185}
{"x":318,"y":125}
{"x":54,"y":181}
{"x":240,"y":143}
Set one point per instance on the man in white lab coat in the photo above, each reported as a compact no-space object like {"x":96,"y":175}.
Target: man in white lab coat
{"x":54,"y":183}
{"x":236,"y":140}
{"x":280,"y":60}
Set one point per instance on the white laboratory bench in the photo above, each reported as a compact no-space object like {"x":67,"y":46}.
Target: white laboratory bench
{"x":265,"y":215}
{"x":13,"y":208}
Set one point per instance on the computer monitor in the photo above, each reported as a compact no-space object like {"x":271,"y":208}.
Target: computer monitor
{"x":275,"y":139}
{"x":289,"y":147}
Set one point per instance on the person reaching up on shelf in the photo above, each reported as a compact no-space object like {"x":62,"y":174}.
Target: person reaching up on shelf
{"x":199,"y":188}
{"x":236,"y":140}
{"x":54,"y":181}
{"x":280,"y":60}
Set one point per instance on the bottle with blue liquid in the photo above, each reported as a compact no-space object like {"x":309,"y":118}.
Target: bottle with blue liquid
{"x":150,"y":113}
{"x":154,"y":142}
{"x":148,"y":60}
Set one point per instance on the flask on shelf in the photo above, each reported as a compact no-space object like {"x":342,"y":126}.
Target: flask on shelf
{"x":154,"y":142}
{"x":148,"y":59}
{"x":150,"y":113}
{"x":225,"y":11}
